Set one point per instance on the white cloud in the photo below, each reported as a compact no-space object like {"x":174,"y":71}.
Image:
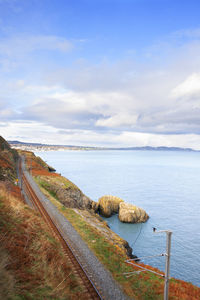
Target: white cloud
{"x":30,"y":50}
{"x":38,"y":132}
{"x":28,"y":131}
{"x":6,"y":114}
{"x":97,"y":110}
{"x":119,"y":120}
{"x":118,"y":103}
{"x":156,"y":140}
{"x":66,"y":109}
{"x":189,"y":87}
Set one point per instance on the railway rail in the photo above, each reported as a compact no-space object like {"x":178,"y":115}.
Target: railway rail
{"x":91,"y":291}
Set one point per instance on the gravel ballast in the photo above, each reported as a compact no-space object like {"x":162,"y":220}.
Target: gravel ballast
{"x":102,"y":278}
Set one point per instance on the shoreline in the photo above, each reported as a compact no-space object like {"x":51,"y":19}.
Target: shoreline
{"x":93,"y":244}
{"x":131,"y":242}
{"x":91,"y":173}
{"x":109,"y":250}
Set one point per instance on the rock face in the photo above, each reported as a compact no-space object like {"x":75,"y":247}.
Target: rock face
{"x":109,"y":205}
{"x":73,"y":198}
{"x":8,"y":159}
{"x":129,"y":213}
{"x":101,"y":226}
{"x":67,"y":192}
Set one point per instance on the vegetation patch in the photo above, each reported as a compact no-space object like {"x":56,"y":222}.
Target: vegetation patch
{"x":144,"y":285}
{"x":58,"y":181}
{"x":32,"y":262}
{"x":48,"y":187}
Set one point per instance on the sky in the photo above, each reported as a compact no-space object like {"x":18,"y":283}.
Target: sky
{"x":115,"y":73}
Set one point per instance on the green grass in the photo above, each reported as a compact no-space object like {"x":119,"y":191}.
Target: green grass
{"x":114,"y":261}
{"x":142,"y":286}
{"x":138,"y":286}
{"x":61,"y":182}
{"x":36,"y":261}
{"x":47,"y":186}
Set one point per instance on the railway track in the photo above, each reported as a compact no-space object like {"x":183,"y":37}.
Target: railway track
{"x":91,"y":291}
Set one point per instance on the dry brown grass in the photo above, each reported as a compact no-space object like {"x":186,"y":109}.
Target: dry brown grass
{"x":33,"y":263}
{"x":37,"y":166}
{"x":36,"y":172}
{"x":7,"y":166}
{"x":7,"y":280}
{"x":143,"y":286}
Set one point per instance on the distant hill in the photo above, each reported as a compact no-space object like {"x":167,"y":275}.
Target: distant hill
{"x":161,"y":148}
{"x":40,"y":146}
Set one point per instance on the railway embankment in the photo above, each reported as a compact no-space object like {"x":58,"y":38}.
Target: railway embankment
{"x":34,"y":265}
{"x":110,"y":249}
{"x":100,"y":278}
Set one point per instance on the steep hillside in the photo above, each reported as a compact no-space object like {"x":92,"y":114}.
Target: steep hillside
{"x":32,"y":262}
{"x":8,"y":159}
{"x":110,"y":249}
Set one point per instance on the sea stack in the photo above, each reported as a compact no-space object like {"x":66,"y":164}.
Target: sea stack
{"x":109,"y":205}
{"x":129,"y":213}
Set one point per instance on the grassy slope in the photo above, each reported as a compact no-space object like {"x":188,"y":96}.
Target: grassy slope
{"x":144,"y":285}
{"x":8,"y":158}
{"x":32,"y":262}
{"x":140,"y":286}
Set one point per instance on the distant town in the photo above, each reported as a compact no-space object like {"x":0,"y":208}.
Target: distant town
{"x":45,"y":147}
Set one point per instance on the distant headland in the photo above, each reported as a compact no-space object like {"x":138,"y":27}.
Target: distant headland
{"x":48,"y":147}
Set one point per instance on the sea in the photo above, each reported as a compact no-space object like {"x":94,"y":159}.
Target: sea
{"x":164,"y":183}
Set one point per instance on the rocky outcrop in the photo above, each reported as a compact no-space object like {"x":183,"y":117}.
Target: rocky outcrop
{"x":109,"y":205}
{"x":129,"y":213}
{"x":73,"y":198}
{"x":66,"y":192}
{"x":101,"y":226}
{"x":95,"y":206}
{"x":8,"y":161}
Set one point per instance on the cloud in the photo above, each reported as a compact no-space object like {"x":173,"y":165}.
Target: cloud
{"x":65,"y":110}
{"x":119,"y":120}
{"x":102,"y":76}
{"x":38,"y":132}
{"x":86,"y":110}
{"x":30,"y":50}
{"x":144,"y":107}
{"x":19,"y":45}
{"x":190,"y":87}
{"x":6,"y":112}
{"x":151,"y":102}
{"x":110,"y":110}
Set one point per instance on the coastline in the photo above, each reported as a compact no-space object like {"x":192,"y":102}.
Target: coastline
{"x":73,"y":214}
{"x":152,"y":181}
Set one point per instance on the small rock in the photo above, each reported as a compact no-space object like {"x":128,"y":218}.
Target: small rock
{"x":129,"y":213}
{"x":109,"y":205}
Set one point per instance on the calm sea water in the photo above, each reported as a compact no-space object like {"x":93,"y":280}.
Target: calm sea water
{"x":166,"y":184}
